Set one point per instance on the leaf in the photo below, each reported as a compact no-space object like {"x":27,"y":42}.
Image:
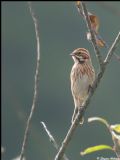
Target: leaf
{"x":116,"y":128}
{"x":100,"y":42}
{"x":100,"y":120}
{"x":95,"y":26}
{"x":94,"y":21}
{"x":95,"y":148}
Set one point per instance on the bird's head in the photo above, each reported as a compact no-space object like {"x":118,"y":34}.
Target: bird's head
{"x":80,"y":55}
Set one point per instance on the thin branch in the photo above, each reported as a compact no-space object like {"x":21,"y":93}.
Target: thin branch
{"x":52,"y":140}
{"x":93,"y":39}
{"x":82,"y":110}
{"x":36,"y":83}
{"x":111,"y":51}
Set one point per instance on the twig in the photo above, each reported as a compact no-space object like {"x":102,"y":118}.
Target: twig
{"x":93,"y":39}
{"x":109,"y":55}
{"x":82,"y":110}
{"x":52,"y":140}
{"x":35,"y":83}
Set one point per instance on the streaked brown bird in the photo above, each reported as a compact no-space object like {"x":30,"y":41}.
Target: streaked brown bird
{"x":82,"y":77}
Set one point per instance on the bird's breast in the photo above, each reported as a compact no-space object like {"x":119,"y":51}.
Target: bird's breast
{"x":79,"y":81}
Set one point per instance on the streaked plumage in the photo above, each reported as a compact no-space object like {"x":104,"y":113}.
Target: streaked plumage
{"x":82,"y":77}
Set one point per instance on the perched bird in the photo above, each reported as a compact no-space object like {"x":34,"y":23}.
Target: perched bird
{"x":82,"y":77}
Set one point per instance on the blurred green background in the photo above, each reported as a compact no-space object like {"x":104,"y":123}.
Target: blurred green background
{"x":61,"y":31}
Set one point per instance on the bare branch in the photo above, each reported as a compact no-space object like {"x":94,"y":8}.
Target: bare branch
{"x":82,"y":110}
{"x":52,"y":140}
{"x":93,"y":39}
{"x":113,"y":47}
{"x":35,"y":83}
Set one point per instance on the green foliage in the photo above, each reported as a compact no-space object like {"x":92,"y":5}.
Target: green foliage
{"x":96,"y":148}
{"x":116,"y":128}
{"x":113,"y":129}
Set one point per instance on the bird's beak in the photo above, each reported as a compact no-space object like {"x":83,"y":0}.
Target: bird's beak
{"x":72,"y":54}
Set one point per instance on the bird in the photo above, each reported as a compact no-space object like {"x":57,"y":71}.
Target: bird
{"x":82,"y":77}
